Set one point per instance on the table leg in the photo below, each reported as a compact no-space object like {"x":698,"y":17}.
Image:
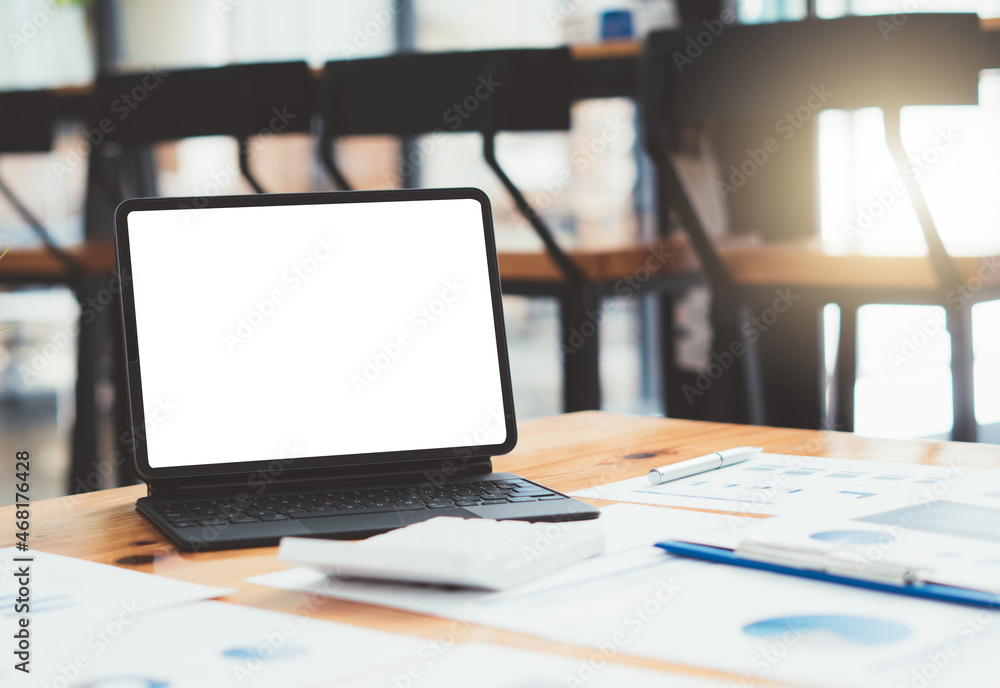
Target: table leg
{"x":83,"y":476}
{"x":965,"y":428}
{"x":580,"y":320}
{"x":846,"y":372}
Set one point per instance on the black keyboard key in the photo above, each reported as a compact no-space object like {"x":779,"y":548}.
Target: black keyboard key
{"x":274,"y":517}
{"x":212,"y":522}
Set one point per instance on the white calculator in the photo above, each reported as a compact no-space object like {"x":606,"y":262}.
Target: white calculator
{"x":474,"y":552}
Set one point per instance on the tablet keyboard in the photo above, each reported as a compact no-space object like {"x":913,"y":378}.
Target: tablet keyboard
{"x":302,"y":505}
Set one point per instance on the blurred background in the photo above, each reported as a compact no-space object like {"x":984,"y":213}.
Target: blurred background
{"x":607,"y":200}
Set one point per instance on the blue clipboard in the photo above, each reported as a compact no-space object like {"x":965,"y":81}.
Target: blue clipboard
{"x":927,"y":591}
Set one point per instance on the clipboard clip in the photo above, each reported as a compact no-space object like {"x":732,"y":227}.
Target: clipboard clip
{"x":841,"y":563}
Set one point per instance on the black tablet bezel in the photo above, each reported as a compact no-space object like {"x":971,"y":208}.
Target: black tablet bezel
{"x":304,"y":464}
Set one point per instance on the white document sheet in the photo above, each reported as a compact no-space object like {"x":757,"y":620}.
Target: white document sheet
{"x":66,"y":591}
{"x":496,"y":666}
{"x":776,"y":484}
{"x":218,"y":645}
{"x":77,"y":607}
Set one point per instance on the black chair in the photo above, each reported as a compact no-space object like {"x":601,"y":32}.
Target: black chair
{"x":241,"y":101}
{"x":485,"y":92}
{"x":27,"y":122}
{"x":768,"y":71}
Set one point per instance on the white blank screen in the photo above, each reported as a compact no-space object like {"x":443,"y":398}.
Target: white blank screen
{"x":314,"y":330}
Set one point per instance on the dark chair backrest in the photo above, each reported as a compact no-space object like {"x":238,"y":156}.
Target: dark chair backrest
{"x":26,"y":121}
{"x":236,"y":100}
{"x":753,"y":71}
{"x":485,"y":91}
{"x":854,"y":62}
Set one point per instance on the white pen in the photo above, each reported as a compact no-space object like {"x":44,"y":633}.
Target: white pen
{"x":720,"y":459}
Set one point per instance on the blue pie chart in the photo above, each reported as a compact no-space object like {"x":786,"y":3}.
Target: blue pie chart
{"x":856,"y":630}
{"x":125,"y":682}
{"x":264,"y":653}
{"x":853,"y":537}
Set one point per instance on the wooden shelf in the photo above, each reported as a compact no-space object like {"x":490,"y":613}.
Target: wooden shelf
{"x":808,"y":264}
{"x":38,"y":261}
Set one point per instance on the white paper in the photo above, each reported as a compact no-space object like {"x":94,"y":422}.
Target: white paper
{"x":66,"y":591}
{"x":776,"y":484}
{"x":216,"y":645}
{"x":495,"y":666}
{"x":78,"y":607}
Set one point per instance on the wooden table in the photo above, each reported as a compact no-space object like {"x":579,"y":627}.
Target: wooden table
{"x":567,"y":452}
